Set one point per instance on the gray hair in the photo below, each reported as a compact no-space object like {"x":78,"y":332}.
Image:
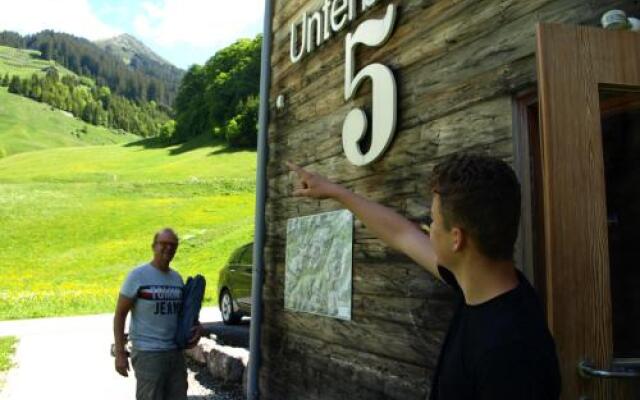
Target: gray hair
{"x":163,"y":230}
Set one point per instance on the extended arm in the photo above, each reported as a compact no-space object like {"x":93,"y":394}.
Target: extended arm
{"x":392,"y":228}
{"x":123,"y":307}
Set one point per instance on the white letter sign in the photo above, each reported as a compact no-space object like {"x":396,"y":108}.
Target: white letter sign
{"x":372,"y":33}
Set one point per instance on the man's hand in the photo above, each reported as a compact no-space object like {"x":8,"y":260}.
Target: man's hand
{"x":123,"y":307}
{"x":196,"y":333}
{"x":312,"y":185}
{"x":122,"y":364}
{"x":392,"y":228}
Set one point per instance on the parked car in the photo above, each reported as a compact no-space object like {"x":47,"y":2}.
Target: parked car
{"x":234,"y":285}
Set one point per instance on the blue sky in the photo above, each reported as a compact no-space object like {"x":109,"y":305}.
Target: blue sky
{"x":183,"y":32}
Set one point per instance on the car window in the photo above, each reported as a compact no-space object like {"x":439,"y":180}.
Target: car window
{"x":247,"y":256}
{"x":235,"y":256}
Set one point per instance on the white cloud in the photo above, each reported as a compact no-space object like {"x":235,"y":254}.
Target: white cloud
{"x":198,"y":23}
{"x":70,"y":16}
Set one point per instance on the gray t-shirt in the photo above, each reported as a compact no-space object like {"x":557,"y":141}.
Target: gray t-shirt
{"x":157,"y":300}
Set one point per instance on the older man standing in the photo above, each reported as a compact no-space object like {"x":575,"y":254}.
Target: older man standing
{"x":153,"y":294}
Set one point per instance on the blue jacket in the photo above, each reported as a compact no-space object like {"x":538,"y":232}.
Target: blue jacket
{"x":192,"y":296}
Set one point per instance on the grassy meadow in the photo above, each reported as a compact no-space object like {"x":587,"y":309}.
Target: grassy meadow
{"x":79,"y":204}
{"x":7,"y":348}
{"x":25,"y":62}
{"x":78,"y":214}
{"x":26,"y":125}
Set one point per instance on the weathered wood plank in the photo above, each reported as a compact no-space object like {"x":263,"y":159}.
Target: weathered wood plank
{"x":482,"y":123}
{"x":409,"y":344}
{"x":378,"y":375}
{"x":391,"y":279}
{"x":457,"y":64}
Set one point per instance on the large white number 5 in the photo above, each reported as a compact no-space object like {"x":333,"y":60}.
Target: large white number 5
{"x":384,"y":110}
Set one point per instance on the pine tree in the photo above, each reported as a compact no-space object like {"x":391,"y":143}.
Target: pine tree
{"x":25,"y":88}
{"x":52,"y":74}
{"x":6,"y":80}
{"x":15,"y":86}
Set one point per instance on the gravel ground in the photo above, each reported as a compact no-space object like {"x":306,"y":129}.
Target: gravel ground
{"x":201,"y":385}
{"x":68,"y":358}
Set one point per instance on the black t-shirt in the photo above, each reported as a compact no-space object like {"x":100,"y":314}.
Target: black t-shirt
{"x":500,"y":349}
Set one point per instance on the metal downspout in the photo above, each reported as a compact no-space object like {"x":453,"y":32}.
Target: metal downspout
{"x":253,"y":379}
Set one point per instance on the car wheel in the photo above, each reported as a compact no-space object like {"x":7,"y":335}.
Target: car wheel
{"x":229,"y":315}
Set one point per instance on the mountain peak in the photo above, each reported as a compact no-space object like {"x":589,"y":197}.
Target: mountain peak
{"x":126,"y":36}
{"x":130,"y":39}
{"x":126,"y":47}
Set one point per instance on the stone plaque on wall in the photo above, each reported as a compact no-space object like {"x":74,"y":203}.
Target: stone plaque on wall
{"x":318,"y":264}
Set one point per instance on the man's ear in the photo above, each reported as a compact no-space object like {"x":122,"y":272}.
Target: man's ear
{"x":458,"y":239}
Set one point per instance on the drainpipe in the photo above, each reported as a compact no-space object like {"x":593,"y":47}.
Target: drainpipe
{"x":253,"y":379}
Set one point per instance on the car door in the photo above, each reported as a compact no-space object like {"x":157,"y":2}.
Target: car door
{"x":233,"y":273}
{"x":243,"y":277}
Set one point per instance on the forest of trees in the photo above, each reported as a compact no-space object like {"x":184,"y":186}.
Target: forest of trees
{"x":86,"y":58}
{"x":221,"y":97}
{"x":92,"y":103}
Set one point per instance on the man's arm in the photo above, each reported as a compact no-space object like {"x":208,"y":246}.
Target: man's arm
{"x":392,"y":228}
{"x":123,"y":307}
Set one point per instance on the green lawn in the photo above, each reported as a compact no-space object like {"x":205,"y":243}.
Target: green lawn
{"x":7,"y":348}
{"x":24,"y":63}
{"x":26,"y":125}
{"x":76,"y":220}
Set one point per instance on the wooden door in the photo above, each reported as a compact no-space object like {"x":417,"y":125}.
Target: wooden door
{"x":588,"y":77}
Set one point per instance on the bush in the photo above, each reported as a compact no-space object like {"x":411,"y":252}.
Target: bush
{"x":242,"y":130}
{"x":220,"y":97}
{"x":167,"y":130}
{"x":15,"y":86}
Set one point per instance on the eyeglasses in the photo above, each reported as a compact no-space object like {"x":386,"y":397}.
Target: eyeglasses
{"x":167,"y":244}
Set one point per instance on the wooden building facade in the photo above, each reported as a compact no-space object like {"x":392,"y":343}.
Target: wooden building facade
{"x":467,"y":80}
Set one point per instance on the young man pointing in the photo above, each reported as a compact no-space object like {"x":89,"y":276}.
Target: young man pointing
{"x":498,"y":345}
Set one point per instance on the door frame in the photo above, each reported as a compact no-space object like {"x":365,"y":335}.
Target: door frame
{"x":572,"y":64}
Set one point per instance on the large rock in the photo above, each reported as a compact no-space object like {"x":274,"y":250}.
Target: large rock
{"x":227,"y":363}
{"x":200,"y":352}
{"x":224,"y":363}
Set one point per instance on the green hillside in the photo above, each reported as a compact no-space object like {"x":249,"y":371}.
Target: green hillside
{"x":130,"y":163}
{"x":86,"y":98}
{"x":24,"y":63}
{"x":79,"y":204}
{"x":26,"y":125}
{"x":76,"y":220}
